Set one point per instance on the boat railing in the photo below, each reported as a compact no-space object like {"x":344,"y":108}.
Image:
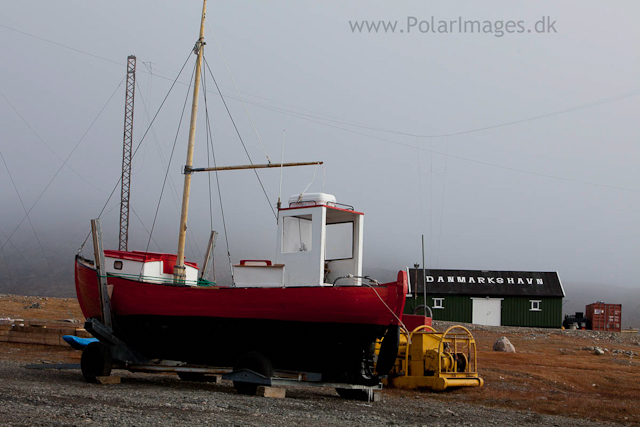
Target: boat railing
{"x":163,"y":280}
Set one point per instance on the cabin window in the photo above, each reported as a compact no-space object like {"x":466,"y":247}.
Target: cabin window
{"x":438,"y":302}
{"x":535,"y":305}
{"x":296,"y":233}
{"x":339,"y":241}
{"x":117,"y":265}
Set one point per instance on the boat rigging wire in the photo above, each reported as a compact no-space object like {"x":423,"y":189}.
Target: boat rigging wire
{"x":215,"y":164}
{"x":313,"y":178}
{"x":466,"y":159}
{"x":139,"y":219}
{"x":138,"y":146}
{"x":420,"y":196}
{"x":15,"y":248}
{"x":209,"y":140}
{"x":64,"y":163}
{"x":237,"y":90}
{"x":61,"y":45}
{"x":174,"y":192}
{"x":145,"y":228}
{"x":370,"y":285}
{"x":430,"y":209}
{"x":284,"y":134}
{"x":239,"y":136}
{"x":25,"y":209}
{"x":444,"y":183}
{"x":173,"y":149}
{"x":5,"y":277}
{"x":615,"y":98}
{"x":480,"y":129}
{"x":308,"y":117}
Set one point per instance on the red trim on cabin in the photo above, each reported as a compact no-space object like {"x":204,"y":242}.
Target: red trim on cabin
{"x":168,"y":260}
{"x":321,"y":206}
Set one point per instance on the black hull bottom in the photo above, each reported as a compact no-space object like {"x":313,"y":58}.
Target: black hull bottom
{"x":340,"y":352}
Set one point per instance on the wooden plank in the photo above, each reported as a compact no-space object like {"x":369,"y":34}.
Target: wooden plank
{"x":82,"y":333}
{"x":272,"y":392}
{"x":53,"y":323}
{"x":108,"y":380}
{"x":27,"y":338}
{"x":61,"y":331}
{"x":33,"y":340}
{"x":215,"y":379}
{"x":58,"y":366}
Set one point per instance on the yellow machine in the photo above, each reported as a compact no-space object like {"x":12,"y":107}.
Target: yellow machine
{"x":427,"y":358}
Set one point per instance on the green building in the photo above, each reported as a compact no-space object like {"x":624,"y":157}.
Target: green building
{"x":497,"y":298}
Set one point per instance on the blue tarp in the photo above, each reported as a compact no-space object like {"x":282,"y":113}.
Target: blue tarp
{"x":77,"y":342}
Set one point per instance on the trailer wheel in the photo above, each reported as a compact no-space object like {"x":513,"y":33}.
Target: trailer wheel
{"x":191,"y":376}
{"x":96,"y":361}
{"x":256,"y":362}
{"x":355,"y":394}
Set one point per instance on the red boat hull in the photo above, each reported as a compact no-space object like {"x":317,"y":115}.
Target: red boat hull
{"x":316,"y":329}
{"x":346,"y":304}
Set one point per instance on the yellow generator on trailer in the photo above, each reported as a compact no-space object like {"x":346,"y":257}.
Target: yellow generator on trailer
{"x":435,"y":360}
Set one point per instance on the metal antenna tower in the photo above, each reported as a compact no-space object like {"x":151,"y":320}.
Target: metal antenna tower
{"x":126,"y":153}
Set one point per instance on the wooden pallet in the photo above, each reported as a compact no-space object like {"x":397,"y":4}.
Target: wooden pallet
{"x":39,"y":334}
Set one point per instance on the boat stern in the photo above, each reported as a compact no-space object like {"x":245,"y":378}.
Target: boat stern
{"x":87,"y":289}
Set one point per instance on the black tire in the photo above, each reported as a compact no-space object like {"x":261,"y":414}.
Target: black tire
{"x":191,"y":376}
{"x":355,"y":394}
{"x":256,"y":362}
{"x":96,"y":361}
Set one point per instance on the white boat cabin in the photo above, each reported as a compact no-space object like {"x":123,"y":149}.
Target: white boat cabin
{"x":150,"y":266}
{"x":319,"y":243}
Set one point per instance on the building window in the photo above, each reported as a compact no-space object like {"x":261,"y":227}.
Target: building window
{"x":535,"y":305}
{"x":438,"y":302}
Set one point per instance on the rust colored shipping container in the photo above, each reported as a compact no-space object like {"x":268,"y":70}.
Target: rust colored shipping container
{"x":604,"y":317}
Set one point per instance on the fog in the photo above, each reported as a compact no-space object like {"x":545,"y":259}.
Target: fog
{"x":507,"y":152}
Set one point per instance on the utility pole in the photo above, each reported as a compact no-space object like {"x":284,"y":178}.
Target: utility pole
{"x":126,"y":154}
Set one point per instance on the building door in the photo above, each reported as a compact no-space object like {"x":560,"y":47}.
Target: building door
{"x":487,"y":311}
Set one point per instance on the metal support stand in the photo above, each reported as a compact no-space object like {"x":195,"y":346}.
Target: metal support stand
{"x":105,"y":302}
{"x":306,"y":380}
{"x":120,"y":351}
{"x":208,"y":257}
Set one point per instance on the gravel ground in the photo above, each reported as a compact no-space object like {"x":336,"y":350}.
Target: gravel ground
{"x":533,"y":333}
{"x":50,"y":398}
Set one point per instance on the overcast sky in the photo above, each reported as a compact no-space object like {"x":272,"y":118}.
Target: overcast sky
{"x":512,"y":148}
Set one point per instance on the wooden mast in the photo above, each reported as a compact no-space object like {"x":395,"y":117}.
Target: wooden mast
{"x":179,"y":269}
